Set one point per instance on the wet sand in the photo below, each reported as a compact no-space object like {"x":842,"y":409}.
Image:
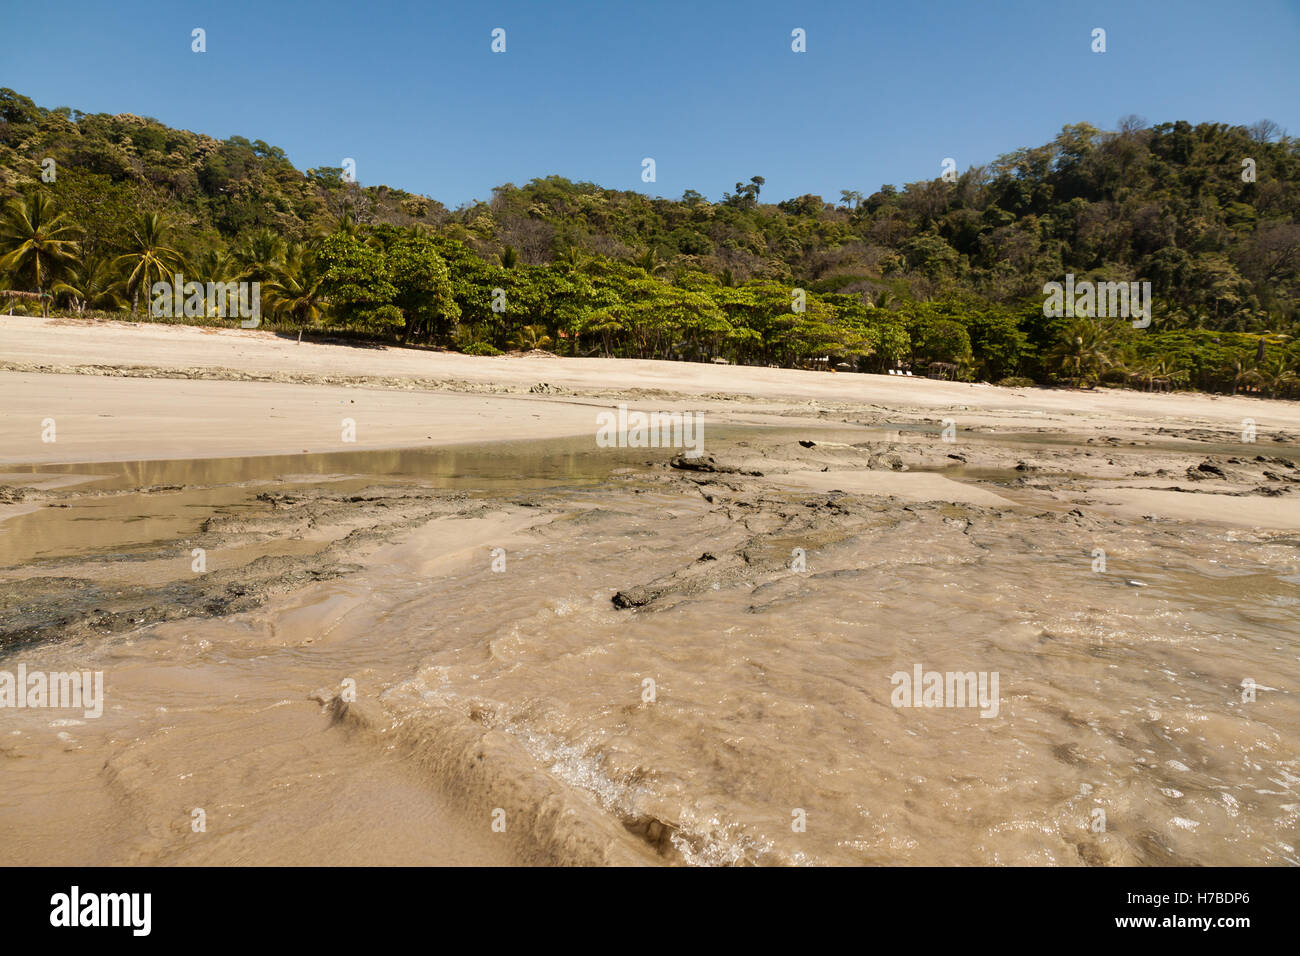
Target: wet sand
{"x":441,"y":654}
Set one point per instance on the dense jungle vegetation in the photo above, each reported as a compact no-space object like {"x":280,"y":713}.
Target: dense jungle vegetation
{"x":943,"y":275}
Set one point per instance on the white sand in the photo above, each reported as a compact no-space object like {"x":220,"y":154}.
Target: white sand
{"x":33,"y":340}
{"x":112,"y":419}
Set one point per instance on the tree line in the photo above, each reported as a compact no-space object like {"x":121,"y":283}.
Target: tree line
{"x":943,"y":276}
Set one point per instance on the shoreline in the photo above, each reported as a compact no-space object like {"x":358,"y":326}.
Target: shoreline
{"x":122,"y":392}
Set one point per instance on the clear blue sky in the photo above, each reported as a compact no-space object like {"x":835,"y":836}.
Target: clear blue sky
{"x":711,"y":91}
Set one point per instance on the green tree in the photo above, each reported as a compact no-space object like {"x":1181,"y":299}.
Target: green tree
{"x":424,"y":290}
{"x":354,"y":281}
{"x":997,"y":343}
{"x":148,"y":259}
{"x":530,"y":337}
{"x":939,"y":340}
{"x":214,"y":265}
{"x":296,"y":292}
{"x":1274,"y":377}
{"x":259,"y":256}
{"x":91,"y":284}
{"x":1083,"y":350}
{"x":37,"y":243}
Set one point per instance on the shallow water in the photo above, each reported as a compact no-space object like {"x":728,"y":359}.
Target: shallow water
{"x":521,"y":688}
{"x":181,"y":493}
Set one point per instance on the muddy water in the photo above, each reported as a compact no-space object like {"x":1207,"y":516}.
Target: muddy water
{"x":469,"y":692}
{"x":123,"y":506}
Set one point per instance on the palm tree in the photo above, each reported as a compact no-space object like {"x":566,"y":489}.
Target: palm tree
{"x":295,"y":291}
{"x":37,"y":244}
{"x":1163,"y":371}
{"x":573,"y":259}
{"x":883,"y":299}
{"x":531,"y":337}
{"x":1083,"y":351}
{"x":1136,"y":368}
{"x":650,"y":261}
{"x":215,"y":265}
{"x":1273,"y":377}
{"x":345,"y":223}
{"x":260,"y":255}
{"x":149,"y":260}
{"x":91,"y":284}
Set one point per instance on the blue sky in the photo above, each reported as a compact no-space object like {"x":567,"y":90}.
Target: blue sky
{"x":711,"y":91}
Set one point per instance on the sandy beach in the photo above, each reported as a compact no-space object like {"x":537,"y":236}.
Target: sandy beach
{"x":159,"y":352}
{"x":429,"y":603}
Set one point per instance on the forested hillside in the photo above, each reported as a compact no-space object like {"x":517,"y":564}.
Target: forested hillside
{"x":934,"y":272}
